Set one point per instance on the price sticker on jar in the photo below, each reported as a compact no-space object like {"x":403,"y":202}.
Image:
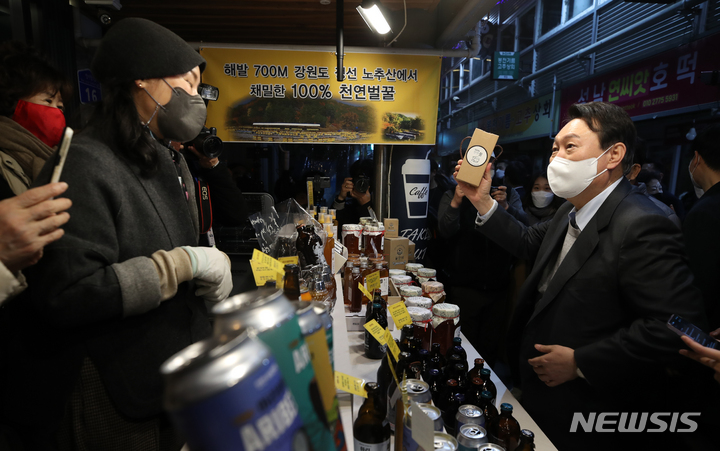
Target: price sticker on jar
{"x":377,"y":331}
{"x":392,"y":346}
{"x":373,"y":281}
{"x":350,"y":384}
{"x":400,"y":314}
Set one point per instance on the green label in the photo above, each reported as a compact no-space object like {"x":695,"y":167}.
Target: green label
{"x":293,"y":357}
{"x":506,"y":66}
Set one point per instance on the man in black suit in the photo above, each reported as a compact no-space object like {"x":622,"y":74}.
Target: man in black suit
{"x":702,"y":223}
{"x":589,"y":333}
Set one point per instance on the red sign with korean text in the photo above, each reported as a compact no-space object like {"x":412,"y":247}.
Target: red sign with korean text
{"x":664,"y":82}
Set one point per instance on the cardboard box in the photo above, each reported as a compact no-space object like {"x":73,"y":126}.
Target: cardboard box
{"x":477,"y":156}
{"x":411,"y":252}
{"x":391,"y":227}
{"x":355,"y":321}
{"x":396,"y":252}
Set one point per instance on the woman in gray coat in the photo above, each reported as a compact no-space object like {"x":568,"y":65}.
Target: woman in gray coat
{"x":124,"y":289}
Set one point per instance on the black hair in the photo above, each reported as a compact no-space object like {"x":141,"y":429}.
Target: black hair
{"x":706,"y":144}
{"x":645,"y":175}
{"x":24,"y":73}
{"x":612,"y":125}
{"x":527,"y":199}
{"x":117,"y":121}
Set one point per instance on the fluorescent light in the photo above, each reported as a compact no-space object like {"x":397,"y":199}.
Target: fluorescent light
{"x":374,"y":19}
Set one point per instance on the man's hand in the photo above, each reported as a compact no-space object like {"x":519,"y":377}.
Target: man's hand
{"x":205,"y":162}
{"x":706,"y":356}
{"x":500,"y":195}
{"x":29,"y":222}
{"x":362,"y":198}
{"x":458,"y":197}
{"x":479,"y":196}
{"x":345,"y":189}
{"x":557,"y":366}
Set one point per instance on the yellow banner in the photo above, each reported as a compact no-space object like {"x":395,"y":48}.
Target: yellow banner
{"x":294,"y":96}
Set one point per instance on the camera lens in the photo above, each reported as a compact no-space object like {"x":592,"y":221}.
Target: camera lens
{"x":212,"y":146}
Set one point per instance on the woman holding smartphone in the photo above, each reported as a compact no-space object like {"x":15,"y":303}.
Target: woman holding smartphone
{"x":124,"y":289}
{"x":31,"y":115}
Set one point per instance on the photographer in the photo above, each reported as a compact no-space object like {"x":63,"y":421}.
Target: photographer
{"x":353,"y":201}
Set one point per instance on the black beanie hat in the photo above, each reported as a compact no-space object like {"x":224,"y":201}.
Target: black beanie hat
{"x":135,"y":49}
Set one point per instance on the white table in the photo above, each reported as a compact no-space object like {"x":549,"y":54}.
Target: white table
{"x":348,"y":350}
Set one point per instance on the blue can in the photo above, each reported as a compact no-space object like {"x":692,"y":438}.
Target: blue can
{"x":231,"y":396}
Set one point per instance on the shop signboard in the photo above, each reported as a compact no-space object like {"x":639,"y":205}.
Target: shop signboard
{"x":294,"y":96}
{"x":531,"y":119}
{"x":410,"y":195}
{"x":506,"y":66}
{"x":664,"y":82}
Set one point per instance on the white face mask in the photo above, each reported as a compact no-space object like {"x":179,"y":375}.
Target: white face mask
{"x":500,"y":173}
{"x":696,"y":186}
{"x":569,"y":178}
{"x":541,"y":199}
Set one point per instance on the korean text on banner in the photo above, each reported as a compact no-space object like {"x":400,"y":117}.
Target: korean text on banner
{"x":294,"y":96}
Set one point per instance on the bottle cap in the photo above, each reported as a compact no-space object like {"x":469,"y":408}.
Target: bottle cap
{"x":457,"y":340}
{"x":486,"y":394}
{"x":434,"y":372}
{"x":528,"y":433}
{"x":485,"y":372}
{"x":506,"y":407}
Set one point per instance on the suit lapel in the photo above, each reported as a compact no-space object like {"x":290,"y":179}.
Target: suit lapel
{"x":583,"y":247}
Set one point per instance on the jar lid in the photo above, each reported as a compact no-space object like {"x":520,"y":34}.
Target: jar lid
{"x":446,"y":310}
{"x":365,"y":219}
{"x":401,"y":280}
{"x":352,"y":227}
{"x":397,"y":272}
{"x":426,"y":272}
{"x":413,"y":266}
{"x":433,"y":287}
{"x":410,"y":290}
{"x":419,"y":301}
{"x":371,"y":228}
{"x":419,"y":314}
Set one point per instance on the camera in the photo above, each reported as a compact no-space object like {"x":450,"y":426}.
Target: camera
{"x":361,"y":184}
{"x":207,"y":142}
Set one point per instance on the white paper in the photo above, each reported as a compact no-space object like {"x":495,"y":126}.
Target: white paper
{"x":422,"y":427}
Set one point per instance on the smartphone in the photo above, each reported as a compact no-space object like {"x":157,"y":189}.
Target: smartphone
{"x":681,"y":326}
{"x":62,"y":154}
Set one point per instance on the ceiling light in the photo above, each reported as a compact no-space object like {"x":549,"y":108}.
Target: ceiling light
{"x":373,"y":17}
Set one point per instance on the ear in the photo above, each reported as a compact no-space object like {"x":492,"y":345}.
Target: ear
{"x":634,"y":171}
{"x":139,"y":83}
{"x":617,"y":153}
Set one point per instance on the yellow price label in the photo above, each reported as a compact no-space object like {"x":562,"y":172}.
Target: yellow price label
{"x":392,"y":345}
{"x":262,"y":273}
{"x":392,"y":369}
{"x":373,"y":281}
{"x":279,"y":280}
{"x":376,"y":330}
{"x":268,"y":261}
{"x":365,"y":292}
{"x":350,"y":384}
{"x":400,"y":314}
{"x":294,"y":260}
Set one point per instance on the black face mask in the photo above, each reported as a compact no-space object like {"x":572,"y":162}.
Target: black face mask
{"x":182,"y":118}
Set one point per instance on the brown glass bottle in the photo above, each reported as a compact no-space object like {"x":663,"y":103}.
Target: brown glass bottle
{"x":488,"y":384}
{"x":356,"y":295}
{"x":393,"y":393}
{"x":488,"y":408}
{"x":373,"y":349}
{"x":291,"y":282}
{"x":384,"y":273}
{"x":504,"y":430}
{"x":473,"y":395}
{"x":475,"y":371}
{"x":527,"y":441}
{"x":369,"y":432}
{"x":365,"y":270}
{"x":406,"y":333}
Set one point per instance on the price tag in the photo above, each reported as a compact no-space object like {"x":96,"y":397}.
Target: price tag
{"x":392,"y":369}
{"x":267,"y":260}
{"x":377,"y":331}
{"x":400,"y":315}
{"x":392,"y":345}
{"x":373,"y":281}
{"x":262,"y":273}
{"x":294,"y":260}
{"x":279,"y":280}
{"x":350,"y":384}
{"x":423,"y":429}
{"x":367,"y":294}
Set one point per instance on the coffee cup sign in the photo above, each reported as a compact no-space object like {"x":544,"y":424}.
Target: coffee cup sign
{"x":477,"y":157}
{"x":416,"y":181}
